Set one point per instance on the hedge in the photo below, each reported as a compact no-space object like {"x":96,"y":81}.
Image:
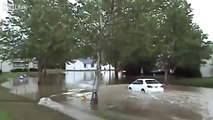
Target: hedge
{"x":24,"y":70}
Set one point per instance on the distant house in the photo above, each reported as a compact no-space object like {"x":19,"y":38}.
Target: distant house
{"x":207,"y":69}
{"x":85,"y":64}
{"x":7,"y":66}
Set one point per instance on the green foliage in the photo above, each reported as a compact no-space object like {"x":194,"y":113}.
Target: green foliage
{"x":24,"y":70}
{"x":19,"y":70}
{"x":41,"y":30}
{"x":143,"y":32}
{"x":180,"y":42}
{"x":138,"y":32}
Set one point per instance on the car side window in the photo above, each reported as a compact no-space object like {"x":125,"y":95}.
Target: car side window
{"x":136,"y":82}
{"x":140,"y":81}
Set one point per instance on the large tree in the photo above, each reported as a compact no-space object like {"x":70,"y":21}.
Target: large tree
{"x":181,"y":43}
{"x":140,"y":32}
{"x":41,"y":30}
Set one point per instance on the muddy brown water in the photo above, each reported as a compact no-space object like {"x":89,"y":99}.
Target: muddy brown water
{"x":73,"y":90}
{"x":177,"y":103}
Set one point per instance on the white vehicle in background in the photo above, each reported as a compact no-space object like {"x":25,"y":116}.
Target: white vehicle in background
{"x":146,"y":85}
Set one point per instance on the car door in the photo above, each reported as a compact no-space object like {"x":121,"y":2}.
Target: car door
{"x":135,"y":85}
{"x":140,"y":85}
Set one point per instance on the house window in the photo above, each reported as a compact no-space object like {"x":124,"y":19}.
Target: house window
{"x":19,"y":65}
{"x":85,"y":65}
{"x":34,"y":65}
{"x":92,"y":65}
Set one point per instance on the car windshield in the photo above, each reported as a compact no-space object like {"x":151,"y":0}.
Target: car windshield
{"x":152,"y":82}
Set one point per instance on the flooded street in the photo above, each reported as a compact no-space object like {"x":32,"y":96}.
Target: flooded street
{"x":175,"y":104}
{"x":71,"y":93}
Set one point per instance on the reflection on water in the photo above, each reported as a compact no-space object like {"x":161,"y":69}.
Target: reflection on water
{"x":86,"y":79}
{"x":56,"y":84}
{"x":26,"y":87}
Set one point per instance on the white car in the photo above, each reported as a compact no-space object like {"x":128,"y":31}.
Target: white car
{"x":146,"y":85}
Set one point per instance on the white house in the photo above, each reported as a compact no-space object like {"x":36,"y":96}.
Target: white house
{"x":86,"y":64}
{"x":7,"y":66}
{"x":207,"y":69}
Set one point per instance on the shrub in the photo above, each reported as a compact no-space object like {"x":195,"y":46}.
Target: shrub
{"x":24,"y":70}
{"x":33,"y":69}
{"x":18,"y":70}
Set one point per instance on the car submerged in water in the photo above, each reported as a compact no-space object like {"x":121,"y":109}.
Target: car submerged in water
{"x":146,"y":85}
{"x":21,"y":80}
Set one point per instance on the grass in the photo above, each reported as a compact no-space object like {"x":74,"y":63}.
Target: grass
{"x":197,"y":82}
{"x":29,"y":111}
{"x":4,"y":115}
{"x":20,"y":108}
{"x":14,"y":107}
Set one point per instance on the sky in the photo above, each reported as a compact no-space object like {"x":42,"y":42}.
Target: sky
{"x":201,"y":9}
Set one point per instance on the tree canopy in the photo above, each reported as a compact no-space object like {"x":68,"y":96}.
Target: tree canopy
{"x":41,"y":30}
{"x":131,"y":32}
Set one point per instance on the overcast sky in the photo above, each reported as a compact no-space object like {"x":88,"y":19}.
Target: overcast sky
{"x":202,"y":14}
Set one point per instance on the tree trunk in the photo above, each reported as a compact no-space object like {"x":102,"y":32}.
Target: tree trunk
{"x":166,"y":76}
{"x":45,"y":72}
{"x":116,"y":72}
{"x":94,"y":98}
{"x":41,"y":67}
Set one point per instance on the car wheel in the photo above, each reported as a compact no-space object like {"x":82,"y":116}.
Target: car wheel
{"x":143,"y":90}
{"x":130,"y":88}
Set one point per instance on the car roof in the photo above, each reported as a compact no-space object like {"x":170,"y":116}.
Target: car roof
{"x":146,"y":79}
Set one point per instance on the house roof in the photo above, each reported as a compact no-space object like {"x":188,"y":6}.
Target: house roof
{"x":87,"y":61}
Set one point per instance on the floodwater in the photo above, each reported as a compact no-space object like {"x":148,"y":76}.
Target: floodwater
{"x":70,"y":94}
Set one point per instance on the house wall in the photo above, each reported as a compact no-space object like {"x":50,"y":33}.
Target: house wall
{"x":90,"y":67}
{"x":107,"y":67}
{"x":207,"y":69}
{"x":6,"y":66}
{"x":78,"y":65}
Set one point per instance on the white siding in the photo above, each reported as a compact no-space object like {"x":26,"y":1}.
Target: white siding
{"x":207,"y":69}
{"x":107,"y":67}
{"x":90,"y":67}
{"x":6,"y":66}
{"x":78,"y":65}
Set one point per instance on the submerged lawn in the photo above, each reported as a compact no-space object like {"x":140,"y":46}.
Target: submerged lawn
{"x":14,"y":107}
{"x":197,"y":82}
{"x":11,"y":75}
